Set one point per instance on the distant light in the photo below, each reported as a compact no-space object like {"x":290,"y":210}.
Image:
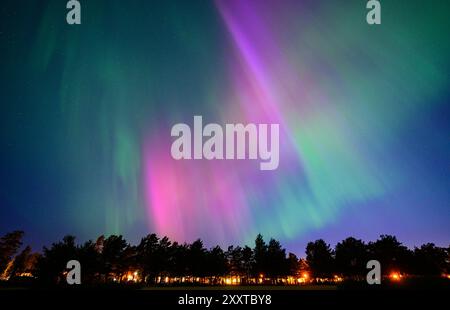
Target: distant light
{"x":338,"y":278}
{"x":395,"y":276}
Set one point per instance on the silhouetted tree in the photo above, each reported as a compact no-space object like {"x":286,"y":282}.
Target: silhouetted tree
{"x":179,"y":265}
{"x":115,"y":256}
{"x":90,"y":260}
{"x":259,"y":255}
{"x":156,"y":257}
{"x":276,"y":262}
{"x":216,"y":262}
{"x":392,"y":255}
{"x":240,"y":261}
{"x":162,"y":256}
{"x":99,"y":244}
{"x":319,"y":257}
{"x":247,"y":261}
{"x":197,"y":258}
{"x":293,"y":265}
{"x":430,"y":260}
{"x":351,"y":258}
{"x":146,"y":257}
{"x":303,"y":266}
{"x":20,"y":262}
{"x":9,"y":245}
{"x":52,"y":263}
{"x":235,"y":260}
{"x":447,"y":261}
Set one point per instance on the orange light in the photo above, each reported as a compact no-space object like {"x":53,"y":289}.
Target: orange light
{"x":338,"y":278}
{"x":305,"y":276}
{"x":129,"y":277}
{"x":395,"y":276}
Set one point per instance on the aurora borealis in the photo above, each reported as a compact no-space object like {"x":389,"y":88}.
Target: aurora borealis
{"x":364,"y":114}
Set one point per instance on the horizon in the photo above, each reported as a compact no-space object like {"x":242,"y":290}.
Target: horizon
{"x":299,"y":254}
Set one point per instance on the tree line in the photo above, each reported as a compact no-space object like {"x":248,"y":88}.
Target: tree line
{"x":112,"y":258}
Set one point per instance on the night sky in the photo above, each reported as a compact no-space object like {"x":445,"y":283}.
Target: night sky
{"x":364,"y":114}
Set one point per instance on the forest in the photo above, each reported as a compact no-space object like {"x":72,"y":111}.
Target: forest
{"x":161,"y":261}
